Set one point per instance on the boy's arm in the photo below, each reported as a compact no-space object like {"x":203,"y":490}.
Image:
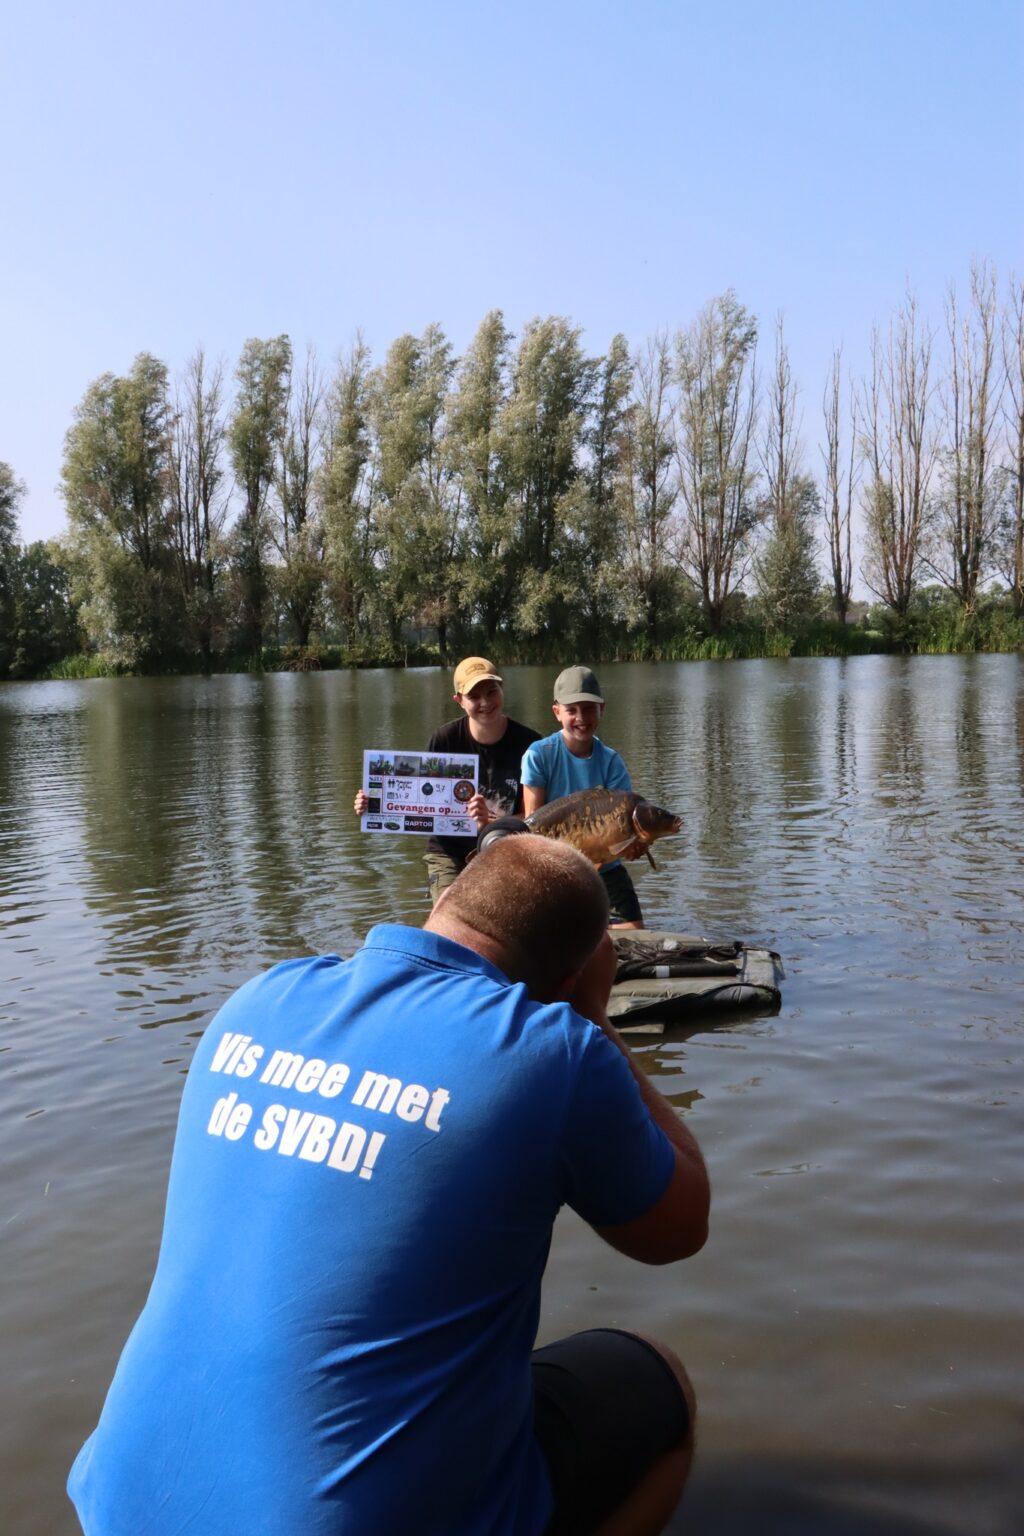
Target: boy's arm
{"x":533,"y":798}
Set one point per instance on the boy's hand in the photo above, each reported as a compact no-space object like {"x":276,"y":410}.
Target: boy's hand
{"x":590,"y":995}
{"x":478,"y":810}
{"x":362,"y":803}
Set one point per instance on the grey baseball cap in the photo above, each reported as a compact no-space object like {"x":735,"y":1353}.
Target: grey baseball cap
{"x":577,"y":685}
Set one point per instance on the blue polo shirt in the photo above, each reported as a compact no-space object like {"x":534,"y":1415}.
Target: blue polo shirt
{"x":369,"y":1159}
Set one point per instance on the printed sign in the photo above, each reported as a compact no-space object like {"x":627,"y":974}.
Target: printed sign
{"x":425,"y":793}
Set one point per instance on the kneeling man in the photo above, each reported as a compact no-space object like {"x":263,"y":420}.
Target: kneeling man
{"x":369,"y":1159}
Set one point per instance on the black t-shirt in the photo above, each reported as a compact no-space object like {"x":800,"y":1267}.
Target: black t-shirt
{"x":500,"y":765}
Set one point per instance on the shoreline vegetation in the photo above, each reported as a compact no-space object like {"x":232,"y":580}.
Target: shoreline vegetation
{"x":996,"y":630}
{"x":532,"y":503}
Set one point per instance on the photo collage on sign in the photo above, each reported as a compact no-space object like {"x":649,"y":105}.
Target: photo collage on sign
{"x":425,"y":793}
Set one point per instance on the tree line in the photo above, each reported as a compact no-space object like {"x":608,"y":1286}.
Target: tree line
{"x":530,"y":499}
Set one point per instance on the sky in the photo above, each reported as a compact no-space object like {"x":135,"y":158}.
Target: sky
{"x":197,"y":174}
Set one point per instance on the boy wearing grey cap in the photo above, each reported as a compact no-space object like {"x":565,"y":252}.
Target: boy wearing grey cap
{"x":575,"y":758}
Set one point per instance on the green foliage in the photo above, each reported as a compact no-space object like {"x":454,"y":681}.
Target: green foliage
{"x":785,"y":572}
{"x":11,"y":493}
{"x":81,"y":665}
{"x":114,"y":483}
{"x":716,"y":419}
{"x":528,"y":501}
{"x":416,"y":513}
{"x":340,"y":490}
{"x":255,"y":433}
{"x":45,"y":624}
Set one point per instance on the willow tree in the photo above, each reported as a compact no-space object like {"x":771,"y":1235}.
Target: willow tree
{"x":899,"y":446}
{"x":716,"y":421}
{"x":255,"y":432}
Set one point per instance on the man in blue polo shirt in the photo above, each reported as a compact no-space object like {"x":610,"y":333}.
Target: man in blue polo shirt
{"x":369,"y":1159}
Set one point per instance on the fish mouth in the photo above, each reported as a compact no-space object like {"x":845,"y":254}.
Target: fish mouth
{"x":660,"y":824}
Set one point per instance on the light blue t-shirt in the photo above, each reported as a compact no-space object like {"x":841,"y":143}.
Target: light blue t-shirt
{"x":549,"y":765}
{"x":369,"y":1159}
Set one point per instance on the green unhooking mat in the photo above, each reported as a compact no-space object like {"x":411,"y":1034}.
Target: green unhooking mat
{"x":668,"y":976}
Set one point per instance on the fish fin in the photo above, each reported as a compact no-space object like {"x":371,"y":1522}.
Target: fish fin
{"x":616,"y":848}
{"x":650,"y":858}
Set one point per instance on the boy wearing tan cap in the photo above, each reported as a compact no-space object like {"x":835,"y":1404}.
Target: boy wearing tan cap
{"x":499,"y":743}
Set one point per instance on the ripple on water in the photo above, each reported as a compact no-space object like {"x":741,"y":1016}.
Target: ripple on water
{"x":856,"y":1306}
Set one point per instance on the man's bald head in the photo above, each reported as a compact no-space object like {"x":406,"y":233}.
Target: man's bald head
{"x":540,"y":907}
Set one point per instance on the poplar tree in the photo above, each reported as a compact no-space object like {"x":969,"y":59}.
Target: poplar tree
{"x":717,"y":415}
{"x":115,"y":478}
{"x":298,"y":530}
{"x":11,"y":494}
{"x":967,"y":510}
{"x":648,"y":489}
{"x":540,"y":435}
{"x":899,"y":449}
{"x":196,"y":501}
{"x":839,"y":482}
{"x":416,"y":508}
{"x":475,"y":414}
{"x":344,"y":494}
{"x":590,"y":509}
{"x":784,"y":570}
{"x":255,"y":432}
{"x":1011,"y":531}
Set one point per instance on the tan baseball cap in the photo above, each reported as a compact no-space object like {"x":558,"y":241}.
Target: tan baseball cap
{"x":475,"y":669}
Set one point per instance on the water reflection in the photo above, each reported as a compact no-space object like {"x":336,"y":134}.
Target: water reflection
{"x":857,"y":1304}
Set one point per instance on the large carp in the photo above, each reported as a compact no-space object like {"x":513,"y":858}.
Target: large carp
{"x":605,"y":823}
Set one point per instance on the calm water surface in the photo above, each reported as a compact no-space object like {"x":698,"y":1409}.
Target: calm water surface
{"x":854,"y":1326}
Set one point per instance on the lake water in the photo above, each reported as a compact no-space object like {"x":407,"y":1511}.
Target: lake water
{"x":854,"y":1325}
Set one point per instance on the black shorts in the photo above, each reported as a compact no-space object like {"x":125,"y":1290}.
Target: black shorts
{"x":623,"y":906}
{"x":606,"y":1406}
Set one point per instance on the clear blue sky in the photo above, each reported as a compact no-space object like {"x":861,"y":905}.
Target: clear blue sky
{"x":202,"y":173}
